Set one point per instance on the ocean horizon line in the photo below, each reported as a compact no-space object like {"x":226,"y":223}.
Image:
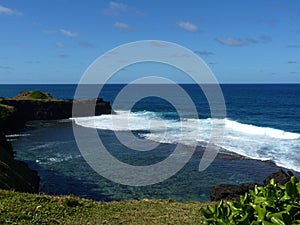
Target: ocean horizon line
{"x":222,"y":83}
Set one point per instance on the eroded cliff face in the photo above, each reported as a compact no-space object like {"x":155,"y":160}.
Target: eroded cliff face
{"x":33,"y":105}
{"x":26,"y":110}
{"x":15,"y":175}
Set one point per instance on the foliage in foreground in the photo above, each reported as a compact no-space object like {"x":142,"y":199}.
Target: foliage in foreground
{"x":274,"y":204}
{"x":21,"y":208}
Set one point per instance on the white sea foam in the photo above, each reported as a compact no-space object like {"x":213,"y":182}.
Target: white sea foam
{"x":56,"y":159}
{"x":263,"y":143}
{"x":16,"y":135}
{"x":265,"y":131}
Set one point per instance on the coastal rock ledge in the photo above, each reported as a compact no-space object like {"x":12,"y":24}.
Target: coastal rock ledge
{"x":36,"y":105}
{"x":231,"y":191}
{"x":27,"y":106}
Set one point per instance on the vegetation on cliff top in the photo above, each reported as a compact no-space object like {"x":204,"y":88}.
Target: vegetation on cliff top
{"x":38,"y":95}
{"x":5,"y":112}
{"x":34,"y":95}
{"x":22,"y":208}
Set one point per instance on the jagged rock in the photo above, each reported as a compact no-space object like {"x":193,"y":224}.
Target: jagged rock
{"x":52,"y":110}
{"x":231,"y":191}
{"x":33,"y":105}
{"x":21,"y":110}
{"x":15,"y":175}
{"x":280,"y":177}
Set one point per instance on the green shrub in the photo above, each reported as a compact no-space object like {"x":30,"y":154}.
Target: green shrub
{"x":272,"y":204}
{"x":38,"y":95}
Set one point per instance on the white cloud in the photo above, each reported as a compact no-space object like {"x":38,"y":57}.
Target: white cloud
{"x":205,"y":53}
{"x":293,"y":46}
{"x":122,"y":26}
{"x":115,"y":9}
{"x":241,"y":42}
{"x":68,"y":33}
{"x":63,"y":56}
{"x":265,"y":38}
{"x":187,"y":26}
{"x":59,"y":45}
{"x":6,"y":67}
{"x":86,"y":44}
{"x":118,"y":9}
{"x":49,"y":31}
{"x":252,"y":40}
{"x":231,"y":41}
{"x":118,"y":6}
{"x":9,"y":12}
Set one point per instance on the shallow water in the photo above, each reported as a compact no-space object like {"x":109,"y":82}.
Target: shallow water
{"x":50,"y":148}
{"x":262,"y":122}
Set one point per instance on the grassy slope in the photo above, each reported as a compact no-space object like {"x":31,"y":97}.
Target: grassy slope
{"x":34,"y":96}
{"x":22,"y":208}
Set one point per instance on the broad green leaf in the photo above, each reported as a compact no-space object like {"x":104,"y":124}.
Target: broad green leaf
{"x":274,"y":204}
{"x":261,"y":212}
{"x":273,"y":182}
{"x":277,"y":221}
{"x":266,"y":223}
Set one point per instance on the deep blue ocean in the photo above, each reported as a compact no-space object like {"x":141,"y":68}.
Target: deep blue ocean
{"x":261,"y":134}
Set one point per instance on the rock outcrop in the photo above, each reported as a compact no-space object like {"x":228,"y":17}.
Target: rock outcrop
{"x":15,"y":175}
{"x":27,"y":110}
{"x":279,"y":177}
{"x":27,"y":106}
{"x":231,"y":191}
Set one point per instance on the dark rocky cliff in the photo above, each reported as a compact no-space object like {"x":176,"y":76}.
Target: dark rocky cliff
{"x":231,"y":191}
{"x":15,"y":175}
{"x":26,"y":110}
{"x":14,"y":113}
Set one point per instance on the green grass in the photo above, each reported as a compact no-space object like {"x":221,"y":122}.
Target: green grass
{"x":38,"y":95}
{"x":5,"y":111}
{"x":34,"y":95}
{"x":22,"y":208}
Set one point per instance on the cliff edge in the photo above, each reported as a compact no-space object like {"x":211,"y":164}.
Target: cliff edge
{"x":14,"y":113}
{"x":15,"y":175}
{"x":37,"y":105}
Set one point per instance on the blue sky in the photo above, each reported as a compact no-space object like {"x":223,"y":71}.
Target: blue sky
{"x":54,"y":41}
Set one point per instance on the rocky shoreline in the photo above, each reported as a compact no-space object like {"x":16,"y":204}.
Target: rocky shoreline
{"x":15,"y":175}
{"x":14,"y":113}
{"x":22,"y":110}
{"x":231,"y":191}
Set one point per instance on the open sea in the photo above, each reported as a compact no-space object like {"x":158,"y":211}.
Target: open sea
{"x":261,"y":134}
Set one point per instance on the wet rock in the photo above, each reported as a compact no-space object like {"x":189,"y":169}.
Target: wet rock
{"x":15,"y":175}
{"x":232,"y":191}
{"x":280,"y":177}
